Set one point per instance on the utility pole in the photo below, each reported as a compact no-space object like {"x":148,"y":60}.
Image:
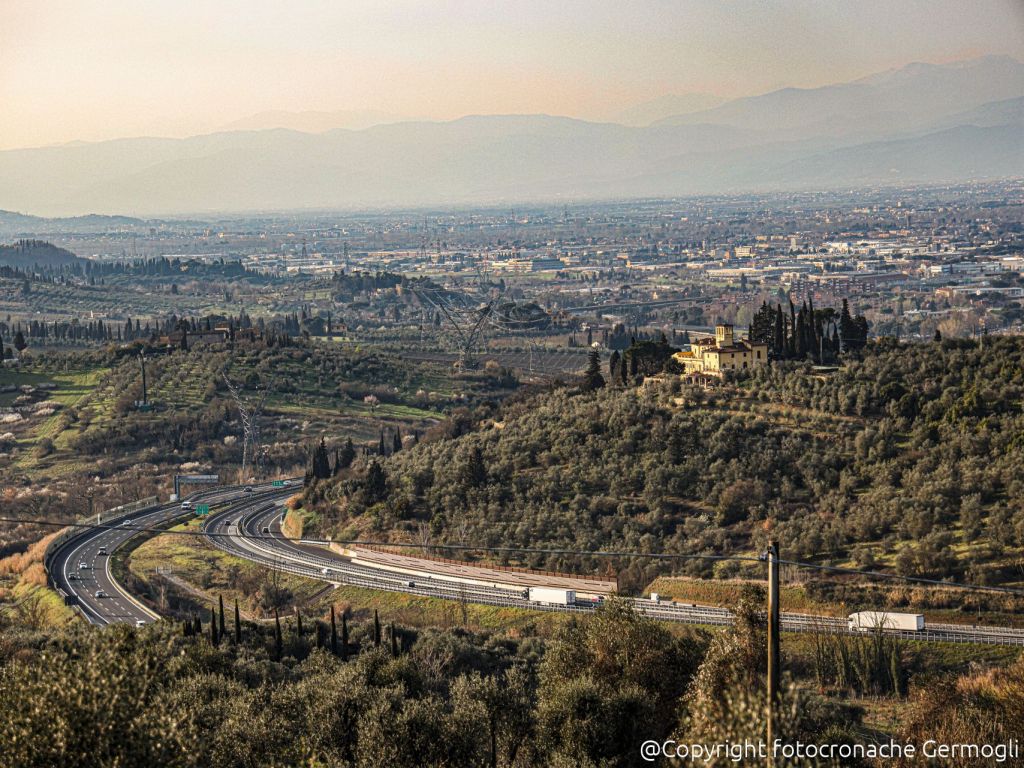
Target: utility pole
{"x":773,"y":645}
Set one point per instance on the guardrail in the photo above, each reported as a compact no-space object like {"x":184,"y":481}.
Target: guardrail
{"x":74,"y":531}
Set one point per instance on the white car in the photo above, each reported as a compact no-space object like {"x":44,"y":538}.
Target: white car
{"x":82,"y":566}
{"x":100,"y":593}
{"x":140,"y":623}
{"x":126,"y":522}
{"x":101,"y":551}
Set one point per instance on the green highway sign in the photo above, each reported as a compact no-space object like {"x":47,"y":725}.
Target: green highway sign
{"x":202,"y":509}
{"x":277,"y":484}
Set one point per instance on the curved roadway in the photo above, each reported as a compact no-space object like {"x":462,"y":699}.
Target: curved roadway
{"x":80,"y":567}
{"x":250,"y":527}
{"x":253,"y":530}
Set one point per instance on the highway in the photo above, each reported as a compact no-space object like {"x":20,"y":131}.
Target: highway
{"x":93,"y":548}
{"x":250,"y":527}
{"x":252,"y":530}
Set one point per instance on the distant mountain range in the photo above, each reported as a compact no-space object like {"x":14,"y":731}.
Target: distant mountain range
{"x":312,"y":121}
{"x":663,"y":107}
{"x":923,"y":123}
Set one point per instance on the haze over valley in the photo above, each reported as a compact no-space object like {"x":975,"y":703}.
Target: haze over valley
{"x":922,"y":123}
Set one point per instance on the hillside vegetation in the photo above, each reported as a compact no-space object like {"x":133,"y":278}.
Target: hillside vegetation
{"x":35,"y":253}
{"x":909,"y":459}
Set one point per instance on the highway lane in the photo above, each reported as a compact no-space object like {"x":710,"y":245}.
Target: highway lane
{"x":81,"y":567}
{"x":253,"y":531}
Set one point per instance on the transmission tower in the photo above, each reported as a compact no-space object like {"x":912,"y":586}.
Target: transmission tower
{"x":250,"y":410}
{"x":468,"y":316}
{"x":465,"y":319}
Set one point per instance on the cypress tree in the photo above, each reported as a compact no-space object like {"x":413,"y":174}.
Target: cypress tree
{"x":238,"y":625}
{"x":220,"y":599}
{"x":214,"y":638}
{"x":792,"y":329}
{"x":334,"y":633}
{"x":298,"y":623}
{"x":397,"y":441}
{"x":779,"y":335}
{"x":376,"y":629}
{"x":380,"y":448}
{"x":593,"y":379}
{"x":394,"y":641}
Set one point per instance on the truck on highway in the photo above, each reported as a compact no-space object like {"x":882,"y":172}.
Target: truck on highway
{"x":865,"y":621}
{"x":552,"y":596}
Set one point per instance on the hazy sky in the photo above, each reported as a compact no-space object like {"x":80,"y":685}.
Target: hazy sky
{"x":98,"y":69}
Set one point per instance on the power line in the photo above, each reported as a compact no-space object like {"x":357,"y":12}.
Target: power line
{"x":539,"y":551}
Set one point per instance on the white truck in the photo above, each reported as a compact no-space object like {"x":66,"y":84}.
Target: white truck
{"x":552,"y":596}
{"x":865,"y":621}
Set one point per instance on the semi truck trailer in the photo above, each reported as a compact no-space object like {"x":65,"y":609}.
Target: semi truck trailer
{"x":552,"y":596}
{"x":865,"y":621}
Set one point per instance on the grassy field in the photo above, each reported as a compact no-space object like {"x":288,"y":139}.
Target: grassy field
{"x":213,"y":573}
{"x":71,"y":390}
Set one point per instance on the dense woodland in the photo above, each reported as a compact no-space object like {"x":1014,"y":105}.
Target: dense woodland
{"x":326,"y":690}
{"x":909,"y":456}
{"x":36,"y":254}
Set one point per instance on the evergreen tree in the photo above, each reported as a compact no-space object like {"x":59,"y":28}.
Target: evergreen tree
{"x":320,"y":464}
{"x":613,"y":366}
{"x":779,"y":336}
{"x":214,"y":637}
{"x":19,"y":341}
{"x":220,"y":599}
{"x":846,"y":327}
{"x":380,"y":448}
{"x":937,"y":336}
{"x":762,"y":326}
{"x":376,"y":482}
{"x":396,"y":444}
{"x":238,"y":624}
{"x":376,"y":629}
{"x":334,"y":633}
{"x":345,"y":456}
{"x":474,"y":470}
{"x":791,"y":345}
{"x":593,"y":379}
{"x":394,"y":641}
